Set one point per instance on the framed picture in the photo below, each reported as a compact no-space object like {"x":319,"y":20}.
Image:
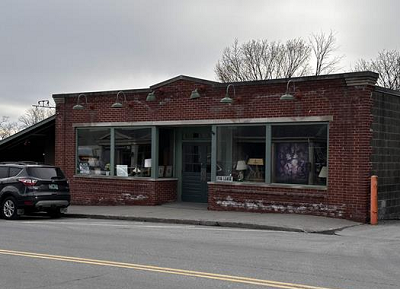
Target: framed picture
{"x":84,"y":168}
{"x":122,"y":170}
{"x":168,"y":172}
{"x":161,"y":171}
{"x":291,"y":165}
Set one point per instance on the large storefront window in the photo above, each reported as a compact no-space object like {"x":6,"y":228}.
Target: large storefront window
{"x":93,"y":151}
{"x":299,"y":154}
{"x":241,"y":153}
{"x":133,"y":152}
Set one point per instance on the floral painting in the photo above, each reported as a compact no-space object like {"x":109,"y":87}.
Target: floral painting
{"x":291,"y":163}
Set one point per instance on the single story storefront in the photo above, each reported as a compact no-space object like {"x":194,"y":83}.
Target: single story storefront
{"x":306,"y":145}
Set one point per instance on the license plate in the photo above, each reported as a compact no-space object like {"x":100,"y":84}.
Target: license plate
{"x":53,"y":187}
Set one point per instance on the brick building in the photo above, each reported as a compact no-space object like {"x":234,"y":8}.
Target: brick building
{"x":306,"y":145}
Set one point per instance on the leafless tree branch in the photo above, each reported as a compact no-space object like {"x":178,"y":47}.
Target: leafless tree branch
{"x":387,"y":64}
{"x":323,"y":47}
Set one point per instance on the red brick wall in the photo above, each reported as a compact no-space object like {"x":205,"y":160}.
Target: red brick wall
{"x":349,"y":134}
{"x":272,"y":200}
{"x":102,"y":191}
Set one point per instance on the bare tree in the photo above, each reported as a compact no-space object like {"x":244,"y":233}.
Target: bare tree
{"x":296,"y":54}
{"x":260,"y":59}
{"x":7,"y":127}
{"x":387,"y":64}
{"x":323,"y":47}
{"x":35,"y":115}
{"x":230,"y":67}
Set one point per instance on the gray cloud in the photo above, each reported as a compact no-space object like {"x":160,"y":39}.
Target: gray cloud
{"x":52,"y":46}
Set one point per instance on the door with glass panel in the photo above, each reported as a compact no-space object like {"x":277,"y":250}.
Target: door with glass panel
{"x":196,"y":171}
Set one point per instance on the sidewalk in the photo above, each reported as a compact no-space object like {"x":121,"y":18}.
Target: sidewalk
{"x":197,"y":214}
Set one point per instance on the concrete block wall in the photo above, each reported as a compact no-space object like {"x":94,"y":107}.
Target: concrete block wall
{"x":386,"y":152}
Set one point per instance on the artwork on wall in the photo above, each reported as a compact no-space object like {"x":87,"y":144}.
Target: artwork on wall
{"x":122,"y":170}
{"x":84,"y":168}
{"x":168,"y":172}
{"x":291,"y":162}
{"x":161,"y":171}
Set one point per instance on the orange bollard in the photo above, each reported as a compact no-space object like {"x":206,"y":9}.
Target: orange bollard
{"x":374,"y":200}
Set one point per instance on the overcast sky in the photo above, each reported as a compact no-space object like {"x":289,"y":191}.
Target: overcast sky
{"x":53,"y":46}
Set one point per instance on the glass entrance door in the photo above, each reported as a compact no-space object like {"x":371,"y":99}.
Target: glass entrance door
{"x":196,"y":171}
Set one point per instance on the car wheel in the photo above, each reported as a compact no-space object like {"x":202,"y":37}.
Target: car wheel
{"x":9,"y":209}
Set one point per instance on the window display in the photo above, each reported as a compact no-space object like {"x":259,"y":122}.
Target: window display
{"x":299,"y":154}
{"x":241,"y":153}
{"x":93,"y":151}
{"x":132,"y":151}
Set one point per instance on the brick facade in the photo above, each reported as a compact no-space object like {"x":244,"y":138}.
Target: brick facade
{"x":345,"y":98}
{"x":101,"y":191}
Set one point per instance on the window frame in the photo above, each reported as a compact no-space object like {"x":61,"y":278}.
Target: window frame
{"x":214,"y":141}
{"x":154,"y":150}
{"x":268,"y":153}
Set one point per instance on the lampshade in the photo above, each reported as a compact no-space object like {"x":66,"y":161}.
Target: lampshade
{"x":241,"y":166}
{"x":226,"y":99}
{"x":151,"y":96}
{"x":287,"y":96}
{"x":116,"y":105}
{"x":256,"y":162}
{"x":194,"y":94}
{"x":324,"y":172}
{"x":147,"y":163}
{"x":77,"y":107}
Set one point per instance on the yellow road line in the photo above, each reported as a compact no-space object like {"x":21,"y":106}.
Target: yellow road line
{"x":236,"y":279}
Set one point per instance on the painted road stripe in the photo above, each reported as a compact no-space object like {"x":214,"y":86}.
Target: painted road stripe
{"x":230,"y":278}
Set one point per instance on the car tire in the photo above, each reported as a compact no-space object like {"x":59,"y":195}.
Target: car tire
{"x":9,"y":208}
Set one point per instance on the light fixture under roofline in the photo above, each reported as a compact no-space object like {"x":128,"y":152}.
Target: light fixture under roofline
{"x":151,"y":96}
{"x":287,"y":95}
{"x":195,"y":94}
{"x":227,"y":99}
{"x":118,"y":104}
{"x":79,"y":106}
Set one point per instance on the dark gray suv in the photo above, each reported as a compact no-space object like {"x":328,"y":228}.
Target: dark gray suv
{"x":26,"y":188}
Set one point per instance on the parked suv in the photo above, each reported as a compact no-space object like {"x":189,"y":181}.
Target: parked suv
{"x":29,"y":187}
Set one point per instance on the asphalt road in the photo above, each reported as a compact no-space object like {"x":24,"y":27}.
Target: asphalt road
{"x":84,"y":253}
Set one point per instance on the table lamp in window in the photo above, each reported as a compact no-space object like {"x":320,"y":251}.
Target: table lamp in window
{"x":147,"y":164}
{"x":241,"y":167}
{"x":256,"y":162}
{"x":324,"y":172}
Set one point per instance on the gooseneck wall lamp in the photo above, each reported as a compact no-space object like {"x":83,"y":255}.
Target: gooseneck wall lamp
{"x":195,"y":94}
{"x":287,"y":95}
{"x":118,"y":104}
{"x":79,"y":106}
{"x":151,"y":96}
{"x":227,"y":99}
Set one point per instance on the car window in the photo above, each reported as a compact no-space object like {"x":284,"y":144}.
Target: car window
{"x":46,"y":173}
{"x":14,"y":171}
{"x":3,"y":172}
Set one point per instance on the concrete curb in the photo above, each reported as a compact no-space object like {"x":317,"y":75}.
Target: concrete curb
{"x":200,"y":223}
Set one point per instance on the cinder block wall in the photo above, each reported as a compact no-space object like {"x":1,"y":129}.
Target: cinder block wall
{"x":347,"y":194}
{"x":386,"y":151}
